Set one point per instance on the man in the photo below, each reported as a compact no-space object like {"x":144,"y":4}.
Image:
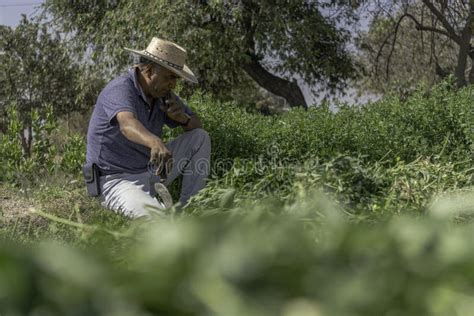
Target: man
{"x":124,"y":137}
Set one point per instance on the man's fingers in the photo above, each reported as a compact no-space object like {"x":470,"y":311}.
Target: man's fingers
{"x":160,"y":160}
{"x":157,"y":162}
{"x":154,"y":162}
{"x":157,"y":166}
{"x":159,"y":169}
{"x":166,"y":163}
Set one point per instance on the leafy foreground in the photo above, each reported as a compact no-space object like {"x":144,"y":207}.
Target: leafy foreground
{"x":305,"y":258}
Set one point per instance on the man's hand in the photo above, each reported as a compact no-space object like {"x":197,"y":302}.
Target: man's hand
{"x":174,"y":108}
{"x":161,"y":159}
{"x":133,"y":130}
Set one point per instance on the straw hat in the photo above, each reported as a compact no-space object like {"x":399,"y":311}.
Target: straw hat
{"x":168,"y":55}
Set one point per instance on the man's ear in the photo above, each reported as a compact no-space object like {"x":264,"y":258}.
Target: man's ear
{"x":147,"y":71}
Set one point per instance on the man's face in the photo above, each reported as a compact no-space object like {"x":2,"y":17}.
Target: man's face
{"x":160,"y":81}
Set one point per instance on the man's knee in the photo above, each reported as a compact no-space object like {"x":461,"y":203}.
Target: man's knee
{"x":202,"y":135}
{"x":200,"y":132}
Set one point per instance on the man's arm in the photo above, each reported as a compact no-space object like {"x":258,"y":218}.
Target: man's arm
{"x":175,"y":111}
{"x":194,"y":122}
{"x":135,"y":132}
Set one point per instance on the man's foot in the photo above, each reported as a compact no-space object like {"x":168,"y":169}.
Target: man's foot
{"x":164,"y":195}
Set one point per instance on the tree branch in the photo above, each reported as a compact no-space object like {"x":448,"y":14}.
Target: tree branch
{"x":397,"y":26}
{"x":379,"y":53}
{"x":451,"y":31}
{"x":421,"y":27}
{"x":248,"y":25}
{"x":433,"y":29}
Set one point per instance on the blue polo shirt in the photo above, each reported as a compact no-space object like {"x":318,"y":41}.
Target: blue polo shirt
{"x":106,"y":145}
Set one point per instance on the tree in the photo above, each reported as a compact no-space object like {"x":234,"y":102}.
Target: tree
{"x":38,"y":70}
{"x":229,"y":42}
{"x":411,"y":41}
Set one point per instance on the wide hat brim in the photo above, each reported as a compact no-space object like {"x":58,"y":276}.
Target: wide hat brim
{"x":184,"y":73}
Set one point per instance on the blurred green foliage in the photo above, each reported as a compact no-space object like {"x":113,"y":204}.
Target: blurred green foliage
{"x":266,"y":259}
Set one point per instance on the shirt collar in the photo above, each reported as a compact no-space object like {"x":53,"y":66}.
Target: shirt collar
{"x":133,"y":73}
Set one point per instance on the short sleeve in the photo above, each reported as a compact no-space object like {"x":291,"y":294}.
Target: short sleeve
{"x":172,"y":124}
{"x":118,"y":98}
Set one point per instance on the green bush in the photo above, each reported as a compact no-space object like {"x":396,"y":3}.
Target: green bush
{"x":10,"y":145}
{"x":366,"y":157}
{"x":44,"y":151}
{"x":383,"y":158}
{"x":73,"y":154}
{"x":361,"y":188}
{"x":260,"y":258}
{"x":19,"y":165}
{"x":438,"y":124}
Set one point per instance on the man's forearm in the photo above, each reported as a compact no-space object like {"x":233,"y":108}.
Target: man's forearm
{"x":135,"y":132}
{"x":195,"y":122}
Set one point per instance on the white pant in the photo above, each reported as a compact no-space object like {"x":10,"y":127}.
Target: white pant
{"x":133,"y":194}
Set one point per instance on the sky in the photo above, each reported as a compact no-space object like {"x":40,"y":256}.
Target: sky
{"x":11,"y":10}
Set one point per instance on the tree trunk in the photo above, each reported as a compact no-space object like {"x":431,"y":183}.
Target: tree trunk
{"x":464,"y":50}
{"x":276,"y":85}
{"x":289,"y":90}
{"x":463,"y":39}
{"x":26,"y":138}
{"x":471,"y":73}
{"x":471,"y":45}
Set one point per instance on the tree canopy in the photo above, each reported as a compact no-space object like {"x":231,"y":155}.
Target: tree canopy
{"x":229,"y":42}
{"x":38,"y":70}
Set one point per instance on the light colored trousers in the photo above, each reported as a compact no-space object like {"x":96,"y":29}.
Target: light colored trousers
{"x":133,"y":195}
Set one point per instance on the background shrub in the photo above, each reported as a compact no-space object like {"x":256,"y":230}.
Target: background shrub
{"x":437,"y":124}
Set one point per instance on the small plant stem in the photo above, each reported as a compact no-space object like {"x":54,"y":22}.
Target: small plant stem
{"x":75,"y":224}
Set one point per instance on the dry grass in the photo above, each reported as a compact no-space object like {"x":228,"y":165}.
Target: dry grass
{"x":13,"y":205}
{"x":57,"y":196}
